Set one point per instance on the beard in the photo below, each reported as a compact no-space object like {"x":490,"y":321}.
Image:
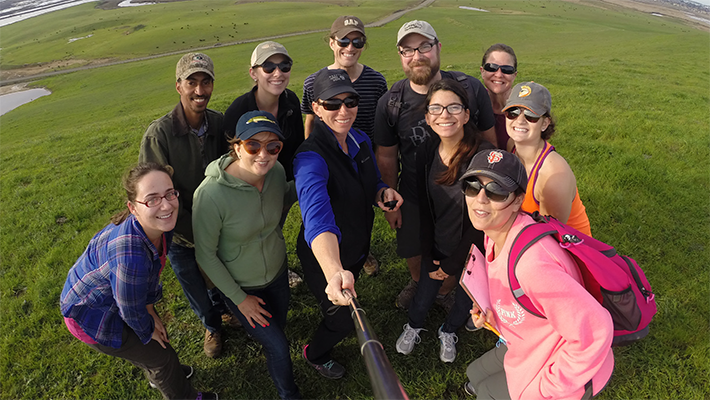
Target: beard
{"x":423,"y":75}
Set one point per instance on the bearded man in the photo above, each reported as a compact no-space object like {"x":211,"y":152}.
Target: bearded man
{"x":400,"y":127}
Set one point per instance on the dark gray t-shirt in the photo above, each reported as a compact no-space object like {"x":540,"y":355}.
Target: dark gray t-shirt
{"x":448,"y":205}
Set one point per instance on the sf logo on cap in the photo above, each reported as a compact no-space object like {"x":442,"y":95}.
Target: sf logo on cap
{"x":524,"y":91}
{"x":260,"y":118}
{"x":494,"y":157}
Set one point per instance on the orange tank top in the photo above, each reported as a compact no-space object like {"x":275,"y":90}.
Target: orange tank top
{"x":578,"y":214}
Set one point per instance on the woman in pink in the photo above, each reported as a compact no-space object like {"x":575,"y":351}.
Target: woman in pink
{"x":567,"y":354}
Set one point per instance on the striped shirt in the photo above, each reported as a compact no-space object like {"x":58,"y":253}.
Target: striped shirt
{"x":370,"y":85}
{"x":112,"y":282}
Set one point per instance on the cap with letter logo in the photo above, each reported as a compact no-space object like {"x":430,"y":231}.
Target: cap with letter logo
{"x":503,"y":167}
{"x":346,"y":24}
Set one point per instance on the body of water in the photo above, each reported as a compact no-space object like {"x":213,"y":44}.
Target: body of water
{"x":12,"y":11}
{"x":11,"y":101}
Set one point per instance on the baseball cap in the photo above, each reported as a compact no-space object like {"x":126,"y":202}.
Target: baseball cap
{"x":254,"y":122}
{"x":503,"y":167}
{"x":532,"y":96}
{"x":194,"y":62}
{"x":332,"y":82}
{"x":421,"y":27}
{"x":342,"y":26}
{"x":265,"y":50}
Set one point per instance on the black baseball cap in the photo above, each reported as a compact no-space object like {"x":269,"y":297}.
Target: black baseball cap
{"x":503,"y":167}
{"x":332,"y":82}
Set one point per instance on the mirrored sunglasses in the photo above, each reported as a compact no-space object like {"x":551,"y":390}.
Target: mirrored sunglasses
{"x":254,"y":146}
{"x":506,"y":69}
{"x":514,"y":113}
{"x":493,"y":191}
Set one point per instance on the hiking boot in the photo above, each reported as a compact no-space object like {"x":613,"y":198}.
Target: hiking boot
{"x":468,"y":388}
{"x":407,"y":340}
{"x":470,"y":326}
{"x":371,"y":266}
{"x":207,"y":396}
{"x":213,"y":344}
{"x":448,"y":341}
{"x":446,"y":301}
{"x":231,"y":320}
{"x":293,"y":279}
{"x":331,"y":370}
{"x":188,"y":370}
{"x":404,"y":298}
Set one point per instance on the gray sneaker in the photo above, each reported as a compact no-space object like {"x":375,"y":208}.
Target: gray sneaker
{"x":469,"y":389}
{"x":407,"y":340}
{"x":404,"y":298}
{"x":448,"y":341}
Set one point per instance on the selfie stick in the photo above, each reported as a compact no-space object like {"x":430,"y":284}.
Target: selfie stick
{"x":385,"y":382}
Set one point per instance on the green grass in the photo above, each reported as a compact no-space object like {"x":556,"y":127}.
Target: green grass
{"x":630,"y":92}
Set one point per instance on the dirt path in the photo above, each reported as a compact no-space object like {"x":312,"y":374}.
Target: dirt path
{"x":10,"y":78}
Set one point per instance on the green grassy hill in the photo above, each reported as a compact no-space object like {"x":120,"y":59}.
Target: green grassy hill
{"x":630,"y":94}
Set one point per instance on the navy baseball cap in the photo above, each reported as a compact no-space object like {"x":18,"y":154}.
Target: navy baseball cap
{"x":503,"y":167}
{"x":254,"y":122}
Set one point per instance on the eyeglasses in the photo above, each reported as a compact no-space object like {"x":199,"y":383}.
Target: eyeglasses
{"x":514,"y":113}
{"x":423,"y":48}
{"x":335,"y":104}
{"x":358,"y":42}
{"x":158,"y":200}
{"x":494,"y":191}
{"x":438,"y":109}
{"x":254,"y":146}
{"x":506,"y":69}
{"x":269,"y":67}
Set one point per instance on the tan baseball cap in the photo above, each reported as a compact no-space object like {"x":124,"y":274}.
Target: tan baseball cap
{"x":265,"y":50}
{"x":421,"y":27}
{"x":194,"y":62}
{"x":346,"y":24}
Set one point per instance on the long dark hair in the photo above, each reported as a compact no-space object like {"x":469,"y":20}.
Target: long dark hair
{"x":130,"y":183}
{"x":468,"y":146}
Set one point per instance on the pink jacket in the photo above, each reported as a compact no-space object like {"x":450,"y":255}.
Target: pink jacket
{"x":549,"y":358}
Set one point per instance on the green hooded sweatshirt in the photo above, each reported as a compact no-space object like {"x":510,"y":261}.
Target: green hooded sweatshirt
{"x":238,"y":240}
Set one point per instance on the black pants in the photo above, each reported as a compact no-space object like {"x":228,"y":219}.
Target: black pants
{"x":161,"y":366}
{"x":335,"y":325}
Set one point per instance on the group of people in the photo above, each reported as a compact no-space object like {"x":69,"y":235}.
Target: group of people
{"x":211,"y":193}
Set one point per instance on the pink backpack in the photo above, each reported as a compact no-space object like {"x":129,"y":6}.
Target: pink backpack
{"x":616,"y":281}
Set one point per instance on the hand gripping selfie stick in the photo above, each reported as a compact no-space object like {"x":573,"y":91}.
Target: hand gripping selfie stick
{"x":385,"y":382}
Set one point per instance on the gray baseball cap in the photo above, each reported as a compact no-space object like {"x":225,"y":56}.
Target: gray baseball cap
{"x":532,"y":96}
{"x":191,"y":63}
{"x":265,"y":50}
{"x":421,"y":27}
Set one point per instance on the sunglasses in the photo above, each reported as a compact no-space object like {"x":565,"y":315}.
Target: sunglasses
{"x":506,"y":69}
{"x":514,"y":113}
{"x":494,"y":191}
{"x":269,"y":67}
{"x":358,"y":43}
{"x":335,"y":104}
{"x":254,"y":146}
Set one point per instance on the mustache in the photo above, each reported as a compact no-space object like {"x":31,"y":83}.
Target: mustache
{"x":419,"y":63}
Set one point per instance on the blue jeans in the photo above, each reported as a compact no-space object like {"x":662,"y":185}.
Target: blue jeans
{"x":183,"y":262}
{"x":272,"y":337}
{"x":427,"y":289}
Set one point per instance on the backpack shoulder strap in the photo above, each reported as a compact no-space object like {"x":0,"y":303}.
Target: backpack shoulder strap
{"x":527,"y":237}
{"x":463,"y":79}
{"x":395,"y":103}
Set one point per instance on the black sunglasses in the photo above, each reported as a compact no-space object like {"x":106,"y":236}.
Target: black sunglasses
{"x":269,"y":67}
{"x":335,"y":104}
{"x":494,"y":191}
{"x":506,"y":69}
{"x":358,"y":42}
{"x":514,"y":113}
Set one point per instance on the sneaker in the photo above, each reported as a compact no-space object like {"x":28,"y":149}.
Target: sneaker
{"x":293,"y":279}
{"x":470,"y":326}
{"x":468,"y":388}
{"x":213,"y":344}
{"x":331,"y":370}
{"x":188,"y":370}
{"x":371,"y":267}
{"x":407,"y":340}
{"x":231,"y":320}
{"x":448,"y":341}
{"x":404,"y":298}
{"x":207,"y":396}
{"x":446,"y":301}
